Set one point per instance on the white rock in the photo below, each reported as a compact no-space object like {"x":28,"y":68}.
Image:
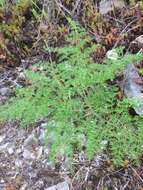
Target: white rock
{"x":2,"y":181}
{"x":63,"y":186}
{"x":39,"y":152}
{"x":2,"y":138}
{"x":10,"y":150}
{"x":3,"y":147}
{"x":21,"y":76}
{"x":18,"y":163}
{"x":19,"y":150}
{"x":31,"y":140}
{"x":28,"y":155}
{"x":52,"y":188}
{"x":59,"y":186}
{"x":139,"y":40}
{"x":108,"y":5}
{"x":5,"y":91}
{"x":46,"y":151}
{"x":104,"y":142}
{"x":39,"y":184}
{"x":42,"y":136}
{"x":43,"y":125}
{"x":112,"y":54}
{"x":23,"y":187}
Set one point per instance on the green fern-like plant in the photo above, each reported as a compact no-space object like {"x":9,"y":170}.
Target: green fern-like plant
{"x":81,"y":105}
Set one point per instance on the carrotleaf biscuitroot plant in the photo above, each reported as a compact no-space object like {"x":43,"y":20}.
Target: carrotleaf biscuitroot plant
{"x":77,"y":97}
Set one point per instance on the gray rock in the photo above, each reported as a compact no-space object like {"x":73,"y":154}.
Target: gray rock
{"x":19,"y":150}
{"x":10,"y":150}
{"x":5,"y":91}
{"x":3,"y":147}
{"x":108,"y":5}
{"x":39,"y":184}
{"x":59,"y":186}
{"x":31,"y":140}
{"x":43,"y":125}
{"x":28,"y":155}
{"x":23,"y":187}
{"x":133,"y":87}
{"x":139,"y":41}
{"x":42,"y":136}
{"x":18,"y":163}
{"x":2,"y":137}
{"x":39,"y":152}
{"x":21,"y":76}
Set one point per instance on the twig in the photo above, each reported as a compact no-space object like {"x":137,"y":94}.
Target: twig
{"x":58,"y":2}
{"x":133,"y":28}
{"x":125,"y":185}
{"x":123,"y":32}
{"x":76,"y":6}
{"x":136,"y":174}
{"x":113,"y":18}
{"x":87,"y":174}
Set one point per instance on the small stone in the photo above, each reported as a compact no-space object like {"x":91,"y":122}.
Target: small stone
{"x":10,"y":150}
{"x":3,"y":147}
{"x":51,"y":188}
{"x":28,"y":155}
{"x":109,"y":5}
{"x":104,"y":142}
{"x":132,"y":87}
{"x":2,"y":181}
{"x":39,"y":152}
{"x":21,"y":76}
{"x":42,"y":136}
{"x":59,"y":186}
{"x":46,"y":151}
{"x":139,"y":40}
{"x":39,"y":184}
{"x":62,"y":186}
{"x":2,"y":138}
{"x":44,"y":125}
{"x":31,"y":140}
{"x":23,"y":187}
{"x":5,"y":91}
{"x":112,"y":54}
{"x":19,"y":150}
{"x":18,"y":163}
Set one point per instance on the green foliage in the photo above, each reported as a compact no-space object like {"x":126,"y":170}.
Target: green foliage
{"x":80,"y":102}
{"x":2,"y":3}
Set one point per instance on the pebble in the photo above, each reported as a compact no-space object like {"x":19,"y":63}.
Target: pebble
{"x":5,"y":91}
{"x":10,"y":150}
{"x":59,"y":186}
{"x":23,"y":187}
{"x":31,"y":140}
{"x":21,"y":76}
{"x":3,"y":147}
{"x":39,"y":184}
{"x":39,"y":153}
{"x":42,"y":136}
{"x":2,"y":138}
{"x":28,"y":155}
{"x":18,"y":163}
{"x":2,"y":181}
{"x":19,"y":150}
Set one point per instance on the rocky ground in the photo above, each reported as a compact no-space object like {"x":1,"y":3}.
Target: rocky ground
{"x":24,"y":163}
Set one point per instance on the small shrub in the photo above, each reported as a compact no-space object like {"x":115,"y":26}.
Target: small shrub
{"x":82,"y":107}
